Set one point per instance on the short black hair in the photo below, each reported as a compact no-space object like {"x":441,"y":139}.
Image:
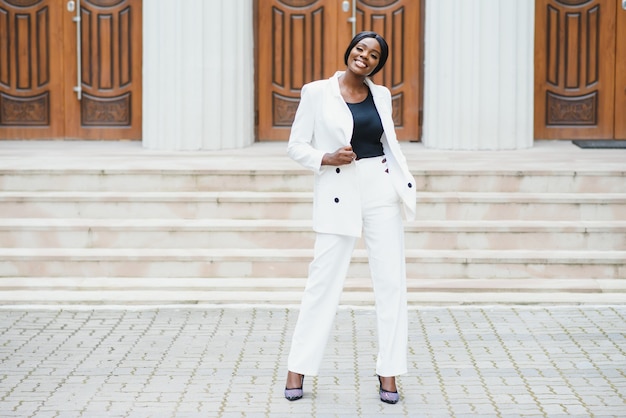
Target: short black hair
{"x":384,"y":48}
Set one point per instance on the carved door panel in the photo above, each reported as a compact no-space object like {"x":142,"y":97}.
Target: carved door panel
{"x":42,"y":47}
{"x":299,"y":41}
{"x":31,"y":69}
{"x":575,"y":69}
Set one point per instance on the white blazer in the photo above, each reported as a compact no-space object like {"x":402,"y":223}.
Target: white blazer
{"x":323,"y":124}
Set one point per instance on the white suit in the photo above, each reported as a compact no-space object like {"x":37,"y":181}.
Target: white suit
{"x":323,"y":124}
{"x":362,"y":197}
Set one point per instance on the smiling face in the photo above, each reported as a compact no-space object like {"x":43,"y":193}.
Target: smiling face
{"x":364,"y":57}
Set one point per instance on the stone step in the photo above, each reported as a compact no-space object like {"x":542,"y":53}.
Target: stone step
{"x":277,"y":263}
{"x":357,"y":291}
{"x":156,"y":205}
{"x":89,"y":222}
{"x":247,"y":177}
{"x":292,"y":234}
{"x":521,"y":181}
{"x":156,"y":180}
{"x":298,"y":205}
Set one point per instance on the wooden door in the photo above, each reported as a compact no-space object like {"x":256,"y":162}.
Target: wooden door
{"x":110,"y":67}
{"x":577,"y":71}
{"x":299,"y":41}
{"x":296,"y":43}
{"x":401,"y":25}
{"x":31,"y":69}
{"x":43,"y":50}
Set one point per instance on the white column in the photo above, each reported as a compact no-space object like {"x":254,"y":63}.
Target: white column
{"x":479,"y":64}
{"x":198,"y":74}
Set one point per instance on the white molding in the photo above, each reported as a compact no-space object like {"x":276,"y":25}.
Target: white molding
{"x":198,"y":74}
{"x":479,"y":64}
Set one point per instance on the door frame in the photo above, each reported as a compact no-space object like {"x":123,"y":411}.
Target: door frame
{"x":45,"y":34}
{"x":620,"y":74}
{"x":420,"y":66}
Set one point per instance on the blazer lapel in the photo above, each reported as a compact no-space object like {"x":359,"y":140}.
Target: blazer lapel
{"x":344,"y":115}
{"x":383,"y":109}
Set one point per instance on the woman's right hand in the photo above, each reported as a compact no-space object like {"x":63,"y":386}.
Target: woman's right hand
{"x":342,"y":156}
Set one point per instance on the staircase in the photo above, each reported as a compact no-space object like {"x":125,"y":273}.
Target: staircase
{"x":115,"y":224}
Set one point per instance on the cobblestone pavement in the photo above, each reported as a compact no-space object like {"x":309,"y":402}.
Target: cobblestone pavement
{"x":499,"y":361}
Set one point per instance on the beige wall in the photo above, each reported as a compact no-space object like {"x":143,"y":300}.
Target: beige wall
{"x":198,"y":74}
{"x":479,"y":66}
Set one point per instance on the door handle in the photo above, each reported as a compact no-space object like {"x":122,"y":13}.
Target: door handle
{"x":624,"y":4}
{"x":345,"y":5}
{"x":71,"y":7}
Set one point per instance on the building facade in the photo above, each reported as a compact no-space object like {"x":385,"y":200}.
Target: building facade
{"x":213,"y":74}
{"x":462,"y":56}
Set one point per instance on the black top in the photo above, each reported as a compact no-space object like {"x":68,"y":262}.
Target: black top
{"x":368,"y":129}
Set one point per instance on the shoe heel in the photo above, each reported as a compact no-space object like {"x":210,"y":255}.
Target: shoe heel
{"x":387,"y":396}
{"x":295,"y":393}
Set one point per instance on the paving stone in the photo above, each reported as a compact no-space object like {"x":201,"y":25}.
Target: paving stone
{"x":217,"y":361}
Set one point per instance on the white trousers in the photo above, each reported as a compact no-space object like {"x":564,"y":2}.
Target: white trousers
{"x":384,"y":238}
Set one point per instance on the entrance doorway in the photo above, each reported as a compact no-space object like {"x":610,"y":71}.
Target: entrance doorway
{"x":299,"y":41}
{"x":580,"y":69}
{"x":70,"y":69}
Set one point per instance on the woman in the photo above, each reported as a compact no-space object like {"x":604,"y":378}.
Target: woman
{"x":344,"y":132}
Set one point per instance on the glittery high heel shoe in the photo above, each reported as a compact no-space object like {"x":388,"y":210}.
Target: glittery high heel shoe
{"x":387,"y":396}
{"x":295,"y":393}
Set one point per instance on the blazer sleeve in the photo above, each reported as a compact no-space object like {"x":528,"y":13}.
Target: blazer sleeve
{"x":302,"y":137}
